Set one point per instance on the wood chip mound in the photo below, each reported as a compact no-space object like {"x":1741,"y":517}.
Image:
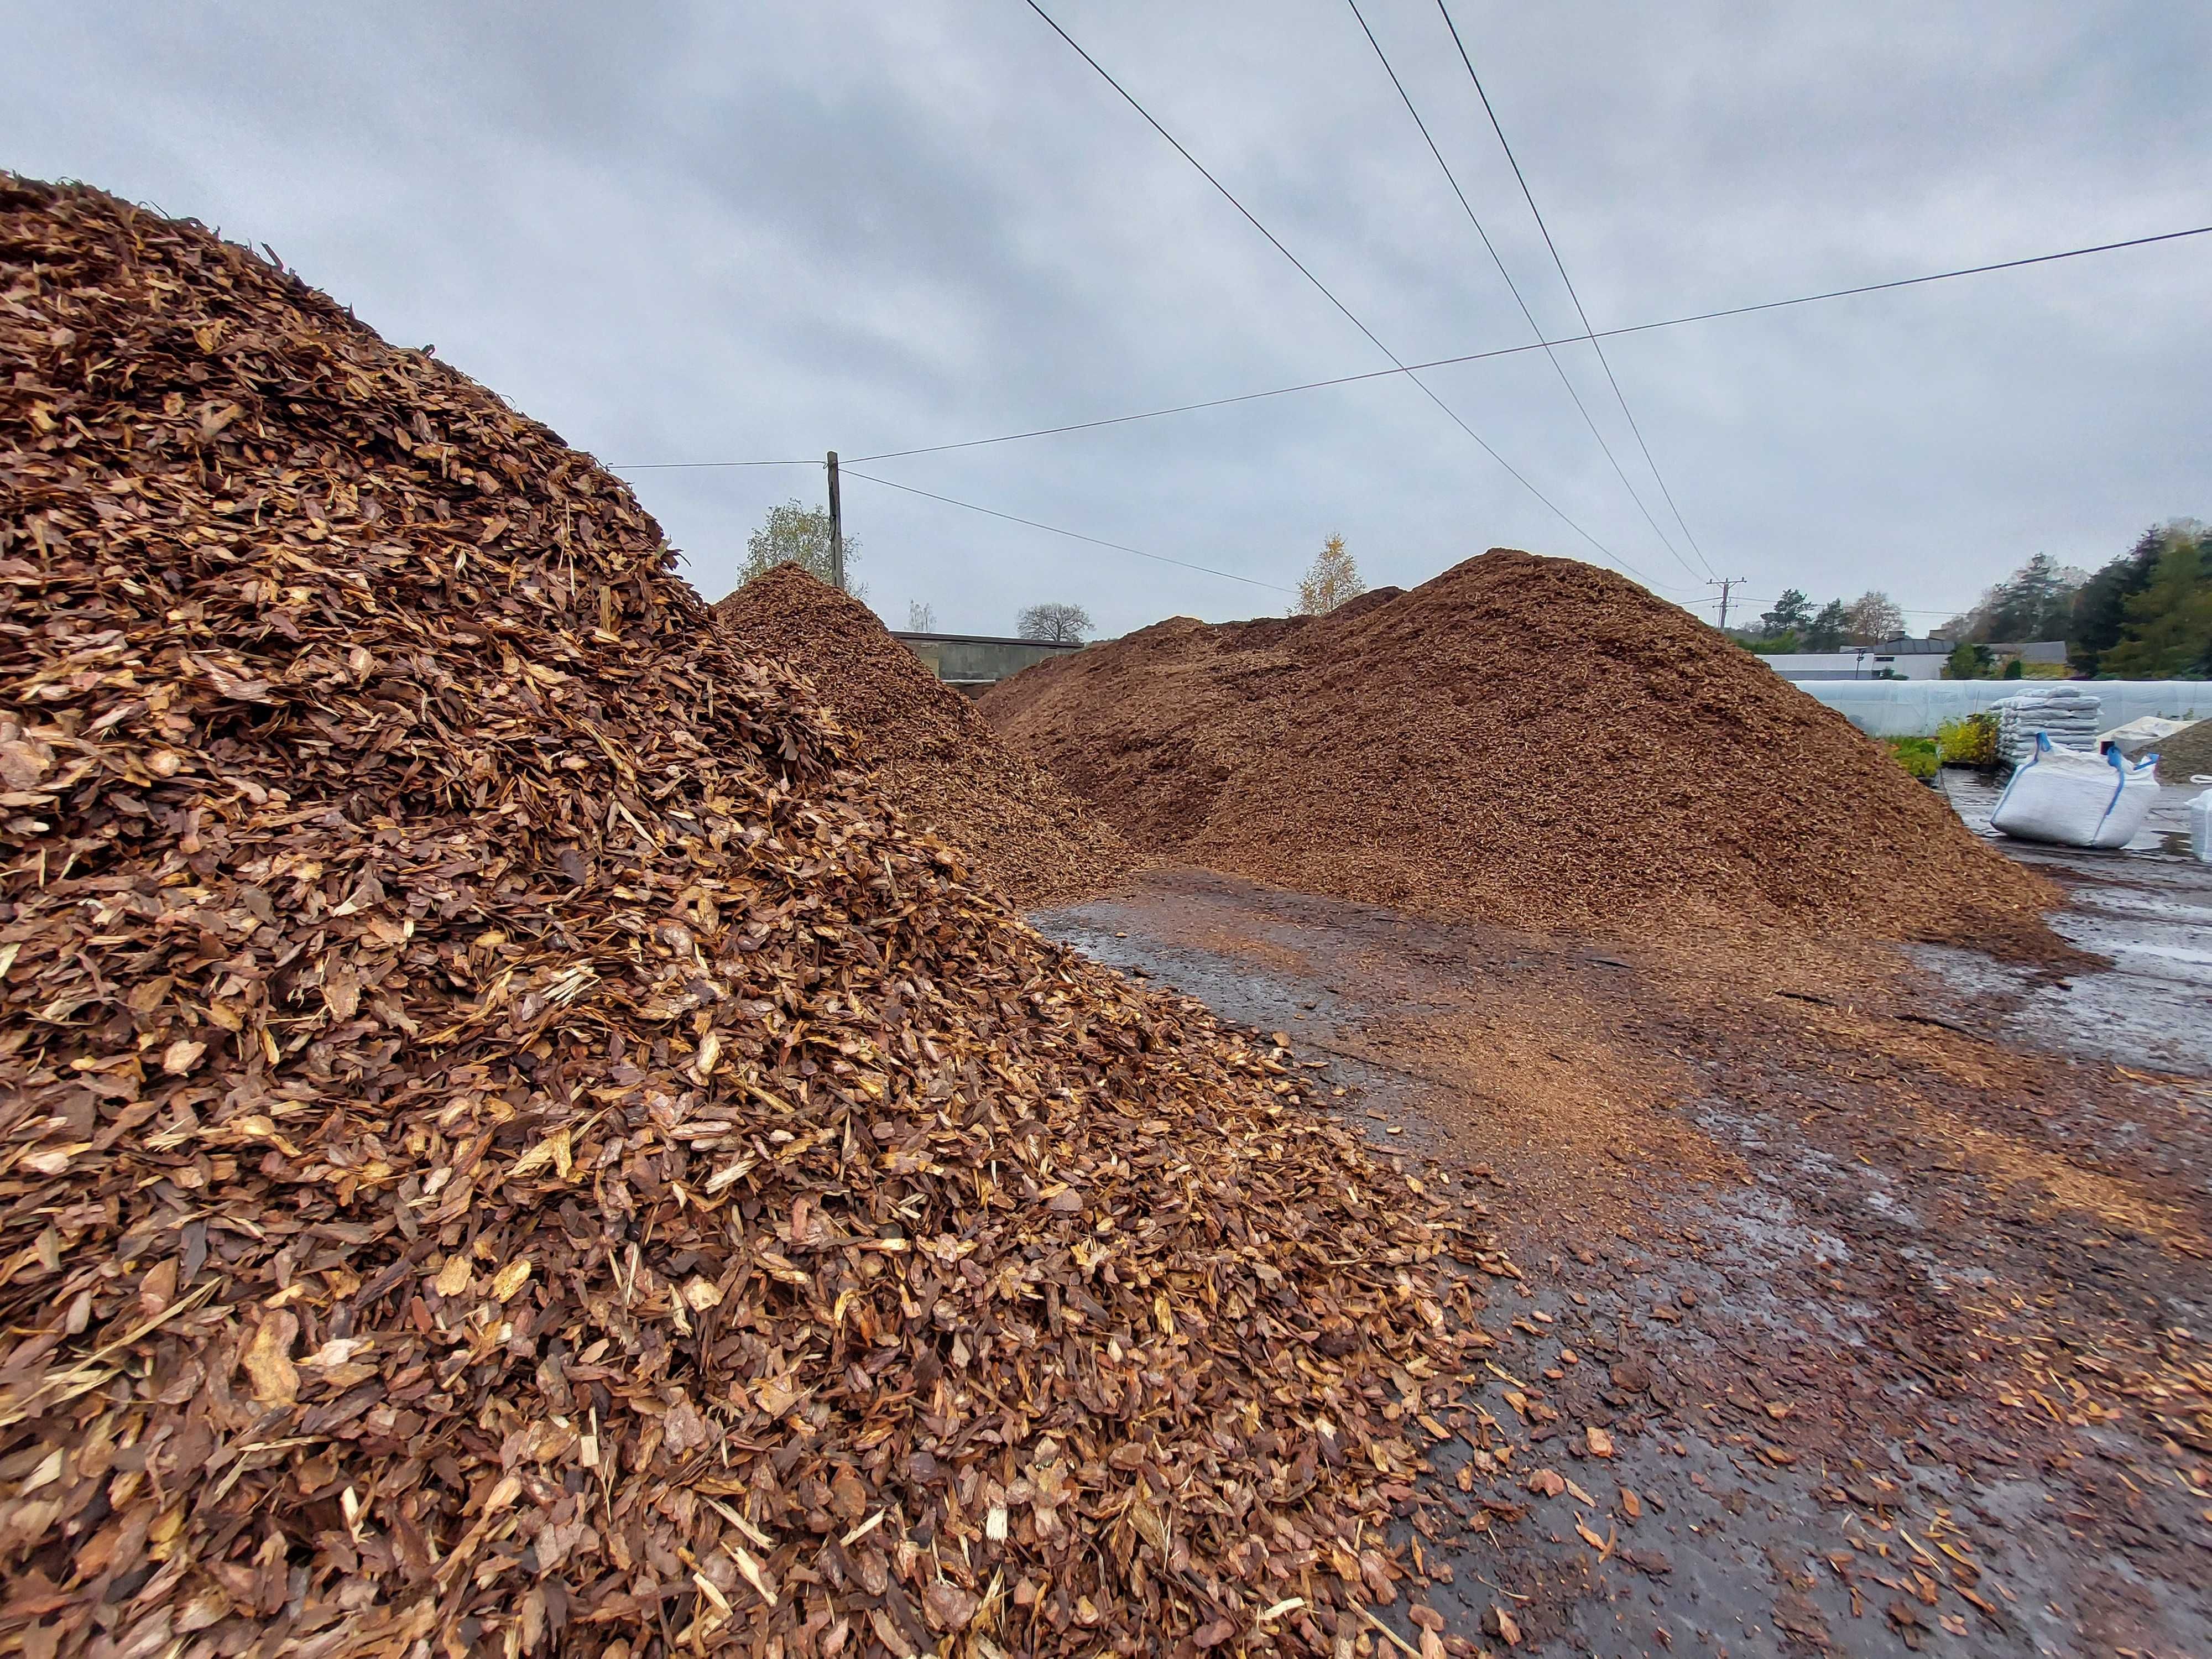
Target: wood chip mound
{"x":507,"y":1144}
{"x":1526,"y":741}
{"x":2186,"y":755}
{"x":934,"y":758}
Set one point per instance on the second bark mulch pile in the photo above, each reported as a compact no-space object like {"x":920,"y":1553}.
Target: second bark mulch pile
{"x":1521,"y":740}
{"x":507,"y":1143}
{"x":933,"y":755}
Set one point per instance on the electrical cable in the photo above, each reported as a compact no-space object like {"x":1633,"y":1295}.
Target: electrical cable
{"x":1534,"y":328}
{"x":1073,"y":535}
{"x":1448,"y":362}
{"x":670,"y":466}
{"x":1581,"y":316}
{"x":1373,"y":338}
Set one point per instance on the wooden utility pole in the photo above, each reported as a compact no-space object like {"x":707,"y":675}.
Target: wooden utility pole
{"x":836,"y":531}
{"x":1724,"y":584}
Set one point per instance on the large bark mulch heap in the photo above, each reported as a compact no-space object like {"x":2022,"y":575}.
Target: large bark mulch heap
{"x":507,"y":1144}
{"x":933,"y":755}
{"x":1521,"y":740}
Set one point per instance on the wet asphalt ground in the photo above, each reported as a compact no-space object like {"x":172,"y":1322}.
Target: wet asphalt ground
{"x":1888,"y":1306}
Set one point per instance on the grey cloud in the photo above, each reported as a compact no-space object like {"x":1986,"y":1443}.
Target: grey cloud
{"x":682,"y":232}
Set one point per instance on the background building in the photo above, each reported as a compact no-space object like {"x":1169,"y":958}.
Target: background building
{"x":1911,"y":659}
{"x":973,"y":662}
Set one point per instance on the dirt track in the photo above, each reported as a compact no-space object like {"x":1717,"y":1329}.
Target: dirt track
{"x":1895,"y":1320}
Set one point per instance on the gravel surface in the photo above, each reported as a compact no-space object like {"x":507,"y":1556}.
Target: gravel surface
{"x":1887,"y":1286}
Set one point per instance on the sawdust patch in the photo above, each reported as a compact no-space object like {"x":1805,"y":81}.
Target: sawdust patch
{"x":1568,"y":1118}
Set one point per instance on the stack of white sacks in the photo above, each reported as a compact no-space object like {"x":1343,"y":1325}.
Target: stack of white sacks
{"x":2069,"y":717}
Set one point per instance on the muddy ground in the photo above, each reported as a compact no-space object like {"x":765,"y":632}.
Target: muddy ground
{"x":1864,"y":1294}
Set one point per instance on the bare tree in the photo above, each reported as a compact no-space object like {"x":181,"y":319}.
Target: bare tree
{"x":921,"y":618}
{"x":1056,"y":624}
{"x":1873,"y":618}
{"x":1331,"y":579}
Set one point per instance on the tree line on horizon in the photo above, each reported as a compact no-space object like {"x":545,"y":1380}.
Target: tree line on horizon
{"x":2146,"y":615}
{"x":1873,"y":618}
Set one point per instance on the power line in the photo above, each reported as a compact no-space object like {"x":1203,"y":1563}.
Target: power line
{"x":1534,"y":328}
{"x":1073,"y":535}
{"x":1373,"y":338}
{"x":1465,"y":357}
{"x":668,"y":466}
{"x":1581,"y":315}
{"x":1846,"y":293}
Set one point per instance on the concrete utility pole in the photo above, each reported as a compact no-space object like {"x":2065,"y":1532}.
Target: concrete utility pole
{"x":1724,"y":585}
{"x":836,"y":531}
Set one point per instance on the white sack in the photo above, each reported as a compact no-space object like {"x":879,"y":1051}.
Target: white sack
{"x":2147,"y":728}
{"x":2062,"y":795}
{"x":2138,"y":791}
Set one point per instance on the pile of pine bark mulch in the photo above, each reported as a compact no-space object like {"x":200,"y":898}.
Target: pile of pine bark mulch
{"x":1525,"y":741}
{"x":934,"y":756}
{"x":506,"y":1143}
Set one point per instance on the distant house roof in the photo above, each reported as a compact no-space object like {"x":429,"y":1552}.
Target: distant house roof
{"x":1912,"y":647}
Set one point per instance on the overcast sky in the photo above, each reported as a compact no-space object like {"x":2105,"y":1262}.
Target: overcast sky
{"x":762,"y":231}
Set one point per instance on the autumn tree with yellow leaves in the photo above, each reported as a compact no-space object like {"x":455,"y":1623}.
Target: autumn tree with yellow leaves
{"x":1331,"y":579}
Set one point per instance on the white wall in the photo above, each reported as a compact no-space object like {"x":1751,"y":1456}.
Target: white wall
{"x":1919,"y":667}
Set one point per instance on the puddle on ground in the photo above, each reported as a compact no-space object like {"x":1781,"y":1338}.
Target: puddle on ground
{"x":1798,"y":1272}
{"x":2146,"y":909}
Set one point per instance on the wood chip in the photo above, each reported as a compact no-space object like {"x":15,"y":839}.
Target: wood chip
{"x":516,"y":1107}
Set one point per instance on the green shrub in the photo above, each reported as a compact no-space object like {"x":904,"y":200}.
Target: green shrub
{"x":1971,"y":741}
{"x":1915,"y":755}
{"x":1970,"y":662}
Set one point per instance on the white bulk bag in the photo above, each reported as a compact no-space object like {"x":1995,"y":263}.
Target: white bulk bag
{"x":2074,"y":799}
{"x":2138,"y":791}
{"x":2200,"y":826}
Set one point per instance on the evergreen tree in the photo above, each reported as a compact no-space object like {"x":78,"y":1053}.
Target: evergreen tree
{"x":1792,"y":612}
{"x":2169,"y":628}
{"x":2033,"y":604}
{"x":1969,"y":660}
{"x":2036,"y":602}
{"x":2100,"y":612}
{"x":1827,"y":631}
